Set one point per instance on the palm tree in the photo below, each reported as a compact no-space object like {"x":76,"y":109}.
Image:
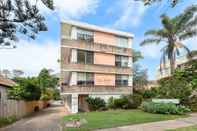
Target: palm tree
{"x":174,"y":30}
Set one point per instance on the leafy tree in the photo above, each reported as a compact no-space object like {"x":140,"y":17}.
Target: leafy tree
{"x":20,"y":17}
{"x":45,"y":80}
{"x":181,"y":84}
{"x":27,"y":89}
{"x":48,"y":84}
{"x":174,"y":88}
{"x":173,"y":3}
{"x":173,"y":32}
{"x":140,"y":78}
{"x":137,"y":55}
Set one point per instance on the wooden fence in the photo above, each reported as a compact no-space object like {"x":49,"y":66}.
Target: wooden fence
{"x":19,"y":108}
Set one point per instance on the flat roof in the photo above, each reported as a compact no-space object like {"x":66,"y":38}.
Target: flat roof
{"x":97,"y":28}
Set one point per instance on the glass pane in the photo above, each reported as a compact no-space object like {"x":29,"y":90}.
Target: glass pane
{"x":89,"y":57}
{"x":81,"y":76}
{"x":89,"y":78}
{"x":122,"y":42}
{"x":80,"y":56}
{"x":118,"y":61}
{"x":124,"y":61}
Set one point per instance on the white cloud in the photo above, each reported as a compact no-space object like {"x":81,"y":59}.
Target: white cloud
{"x":151,"y":51}
{"x":31,"y":57}
{"x":191,"y":43}
{"x":130,"y":13}
{"x":71,"y":8}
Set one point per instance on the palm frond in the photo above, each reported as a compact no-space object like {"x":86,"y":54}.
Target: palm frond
{"x":192,"y":23}
{"x":160,"y":33}
{"x":48,"y":3}
{"x":150,"y":41}
{"x":188,"y":34}
{"x":183,"y":20}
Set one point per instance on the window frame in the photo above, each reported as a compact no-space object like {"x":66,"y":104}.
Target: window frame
{"x":86,"y":55}
{"x":121,"y":81}
{"x":121,"y":60}
{"x":85,"y":81}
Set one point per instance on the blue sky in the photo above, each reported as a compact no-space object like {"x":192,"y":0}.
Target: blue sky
{"x":125,"y":15}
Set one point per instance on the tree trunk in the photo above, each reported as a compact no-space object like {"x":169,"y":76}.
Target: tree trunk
{"x":172,"y":64}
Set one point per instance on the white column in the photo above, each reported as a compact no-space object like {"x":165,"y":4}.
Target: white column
{"x":74,"y":56}
{"x":130,"y":62}
{"x":74,"y":33}
{"x":74,"y":103}
{"x":130,"y":40}
{"x":73,"y":79}
{"x":130,"y":81}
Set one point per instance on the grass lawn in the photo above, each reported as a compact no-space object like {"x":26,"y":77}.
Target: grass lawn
{"x":190,"y":128}
{"x":114,"y":118}
{"x":7,"y":121}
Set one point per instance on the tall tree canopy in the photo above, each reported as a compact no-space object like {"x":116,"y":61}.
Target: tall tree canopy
{"x":174,"y":30}
{"x":173,"y":3}
{"x":20,"y":17}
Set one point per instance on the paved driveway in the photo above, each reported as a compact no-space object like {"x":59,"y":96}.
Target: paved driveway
{"x":45,"y":120}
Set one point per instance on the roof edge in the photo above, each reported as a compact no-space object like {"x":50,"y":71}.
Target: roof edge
{"x":98,"y":28}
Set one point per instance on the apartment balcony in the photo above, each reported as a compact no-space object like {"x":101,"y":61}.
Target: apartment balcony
{"x":96,"y":69}
{"x":96,"y":47}
{"x":97,"y":89}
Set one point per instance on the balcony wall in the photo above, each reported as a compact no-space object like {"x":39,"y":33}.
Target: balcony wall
{"x":96,"y":47}
{"x":96,"y":69}
{"x":97,"y":89}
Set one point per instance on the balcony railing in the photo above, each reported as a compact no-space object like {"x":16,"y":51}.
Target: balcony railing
{"x":86,"y":37}
{"x":96,"y":47}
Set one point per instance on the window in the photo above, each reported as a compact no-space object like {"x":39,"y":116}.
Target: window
{"x":122,"y":80}
{"x":122,"y":61}
{"x":85,"y":78}
{"x":85,"y":35}
{"x":122,"y":42}
{"x":84,"y":57}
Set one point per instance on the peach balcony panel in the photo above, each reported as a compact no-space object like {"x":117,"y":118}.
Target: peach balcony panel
{"x":104,"y":38}
{"x":104,"y":79}
{"x":104,"y":59}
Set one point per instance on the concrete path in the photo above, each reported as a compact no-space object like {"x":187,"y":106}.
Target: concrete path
{"x":158,"y":126}
{"x":45,"y":120}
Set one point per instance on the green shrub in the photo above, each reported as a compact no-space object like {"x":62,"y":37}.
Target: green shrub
{"x":164,"y":108}
{"x":191,"y":102}
{"x":134,"y":100}
{"x":96,"y":103}
{"x":121,"y":103}
{"x":7,"y":121}
{"x":110,"y":103}
{"x":125,"y":102}
{"x":150,"y":93}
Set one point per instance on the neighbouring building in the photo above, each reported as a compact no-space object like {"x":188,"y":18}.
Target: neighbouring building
{"x":5,"y":83}
{"x":95,"y":61}
{"x":164,"y":70}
